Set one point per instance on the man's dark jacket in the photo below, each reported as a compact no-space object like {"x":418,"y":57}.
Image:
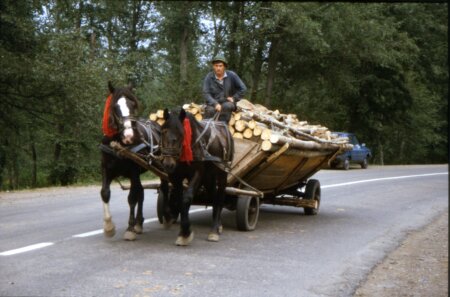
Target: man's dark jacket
{"x":215,"y":93}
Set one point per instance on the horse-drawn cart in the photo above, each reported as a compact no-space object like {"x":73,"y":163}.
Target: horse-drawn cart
{"x":278,"y":176}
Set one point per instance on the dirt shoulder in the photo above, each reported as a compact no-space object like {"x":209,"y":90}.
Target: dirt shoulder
{"x":418,"y":267}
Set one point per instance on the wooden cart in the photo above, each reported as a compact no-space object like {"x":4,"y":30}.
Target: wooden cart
{"x":279,"y":176}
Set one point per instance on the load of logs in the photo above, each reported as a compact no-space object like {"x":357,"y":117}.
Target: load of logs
{"x":270,"y":128}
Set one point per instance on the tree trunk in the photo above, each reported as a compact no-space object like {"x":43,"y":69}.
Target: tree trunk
{"x":380,"y":152}
{"x":217,"y":29}
{"x":58,"y":146}
{"x":134,"y":23}
{"x":232,"y":45}
{"x":80,"y":16}
{"x":184,"y":55}
{"x":273,"y":51}
{"x":257,"y":68}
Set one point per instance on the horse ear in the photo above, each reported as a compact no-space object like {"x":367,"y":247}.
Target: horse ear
{"x":130,"y":86}
{"x":182,"y":115}
{"x":166,"y":114}
{"x":110,"y":87}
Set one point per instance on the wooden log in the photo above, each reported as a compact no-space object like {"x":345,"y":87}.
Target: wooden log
{"x":260,"y":108}
{"x":266,"y":133}
{"x":248,"y":133}
{"x":193,"y":110}
{"x":266,"y":145}
{"x":186,"y":106}
{"x":198,"y":116}
{"x":251,"y":124}
{"x":236,"y":191}
{"x":257,"y":131}
{"x":160,"y":121}
{"x":121,"y":151}
{"x":240,"y":125}
{"x":198,"y":106}
{"x":301,"y":144}
{"x":238,"y":135}
{"x":232,"y":121}
{"x":237,"y":116}
{"x":153,"y":117}
{"x":245,"y":104}
{"x":302,"y":133}
{"x":231,"y":129}
{"x":160,"y":114}
{"x":307,"y":203}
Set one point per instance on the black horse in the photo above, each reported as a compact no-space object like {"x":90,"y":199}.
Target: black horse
{"x":142,"y":137}
{"x":196,"y":151}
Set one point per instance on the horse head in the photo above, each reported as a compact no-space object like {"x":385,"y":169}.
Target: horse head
{"x":124,"y":108}
{"x":173,"y":133}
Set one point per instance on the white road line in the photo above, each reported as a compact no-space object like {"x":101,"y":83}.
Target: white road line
{"x":87,"y":234}
{"x":27,"y":248}
{"x":383,"y":178}
{"x":99,"y":231}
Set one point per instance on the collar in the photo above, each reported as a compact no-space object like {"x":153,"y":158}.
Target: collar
{"x":224,"y":75}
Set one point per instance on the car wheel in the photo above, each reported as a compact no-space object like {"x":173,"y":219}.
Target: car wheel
{"x":364,"y":164}
{"x":346,"y":164}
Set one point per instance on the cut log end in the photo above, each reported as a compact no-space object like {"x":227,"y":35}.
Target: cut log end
{"x":266,"y":145}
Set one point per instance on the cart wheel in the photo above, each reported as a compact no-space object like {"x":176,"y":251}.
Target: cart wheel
{"x":160,"y":206}
{"x":247,"y":212}
{"x":312,"y":192}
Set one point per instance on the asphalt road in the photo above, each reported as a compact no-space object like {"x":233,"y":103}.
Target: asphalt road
{"x":51,"y":245}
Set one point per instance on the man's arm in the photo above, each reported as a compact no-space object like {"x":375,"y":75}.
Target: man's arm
{"x":206,"y":91}
{"x":239,"y":87}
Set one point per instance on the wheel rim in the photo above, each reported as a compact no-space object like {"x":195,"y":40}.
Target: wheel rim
{"x":252,"y":212}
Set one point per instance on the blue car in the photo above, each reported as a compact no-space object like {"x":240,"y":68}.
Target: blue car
{"x":360,"y":154}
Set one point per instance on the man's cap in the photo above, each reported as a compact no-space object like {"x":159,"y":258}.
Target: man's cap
{"x":219,"y":58}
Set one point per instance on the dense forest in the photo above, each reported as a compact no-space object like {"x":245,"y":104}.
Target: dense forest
{"x":377,"y":69}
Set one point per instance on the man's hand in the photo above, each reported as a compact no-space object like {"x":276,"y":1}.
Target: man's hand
{"x":231,"y":99}
{"x":218,"y":107}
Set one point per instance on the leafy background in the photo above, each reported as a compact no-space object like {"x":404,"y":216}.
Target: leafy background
{"x":377,"y":69}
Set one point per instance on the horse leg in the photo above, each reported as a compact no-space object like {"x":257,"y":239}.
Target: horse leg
{"x":168,"y":209}
{"x":186,"y":235}
{"x":218,"y":201}
{"x":136,"y":193}
{"x":138,"y":227}
{"x":108,"y":226}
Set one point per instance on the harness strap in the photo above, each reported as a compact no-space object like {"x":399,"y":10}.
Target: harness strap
{"x":227,"y":169}
{"x":138,"y":147}
{"x":208,"y":122}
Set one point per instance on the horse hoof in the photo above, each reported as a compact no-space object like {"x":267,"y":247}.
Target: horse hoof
{"x":213,"y":237}
{"x":220,"y":230}
{"x":109,"y":230}
{"x":129,"y":235}
{"x":138,"y":229}
{"x":184,"y":241}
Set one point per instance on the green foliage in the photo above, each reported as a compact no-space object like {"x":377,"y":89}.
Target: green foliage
{"x":377,"y":69}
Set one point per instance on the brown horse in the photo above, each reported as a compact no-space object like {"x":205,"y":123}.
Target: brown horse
{"x":191,"y":150}
{"x":120,"y":123}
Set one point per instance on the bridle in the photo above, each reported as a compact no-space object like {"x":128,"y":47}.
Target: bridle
{"x":170,"y":152}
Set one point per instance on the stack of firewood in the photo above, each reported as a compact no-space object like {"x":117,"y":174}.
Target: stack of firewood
{"x":269,"y":128}
{"x":195,"y":109}
{"x":158,"y":117}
